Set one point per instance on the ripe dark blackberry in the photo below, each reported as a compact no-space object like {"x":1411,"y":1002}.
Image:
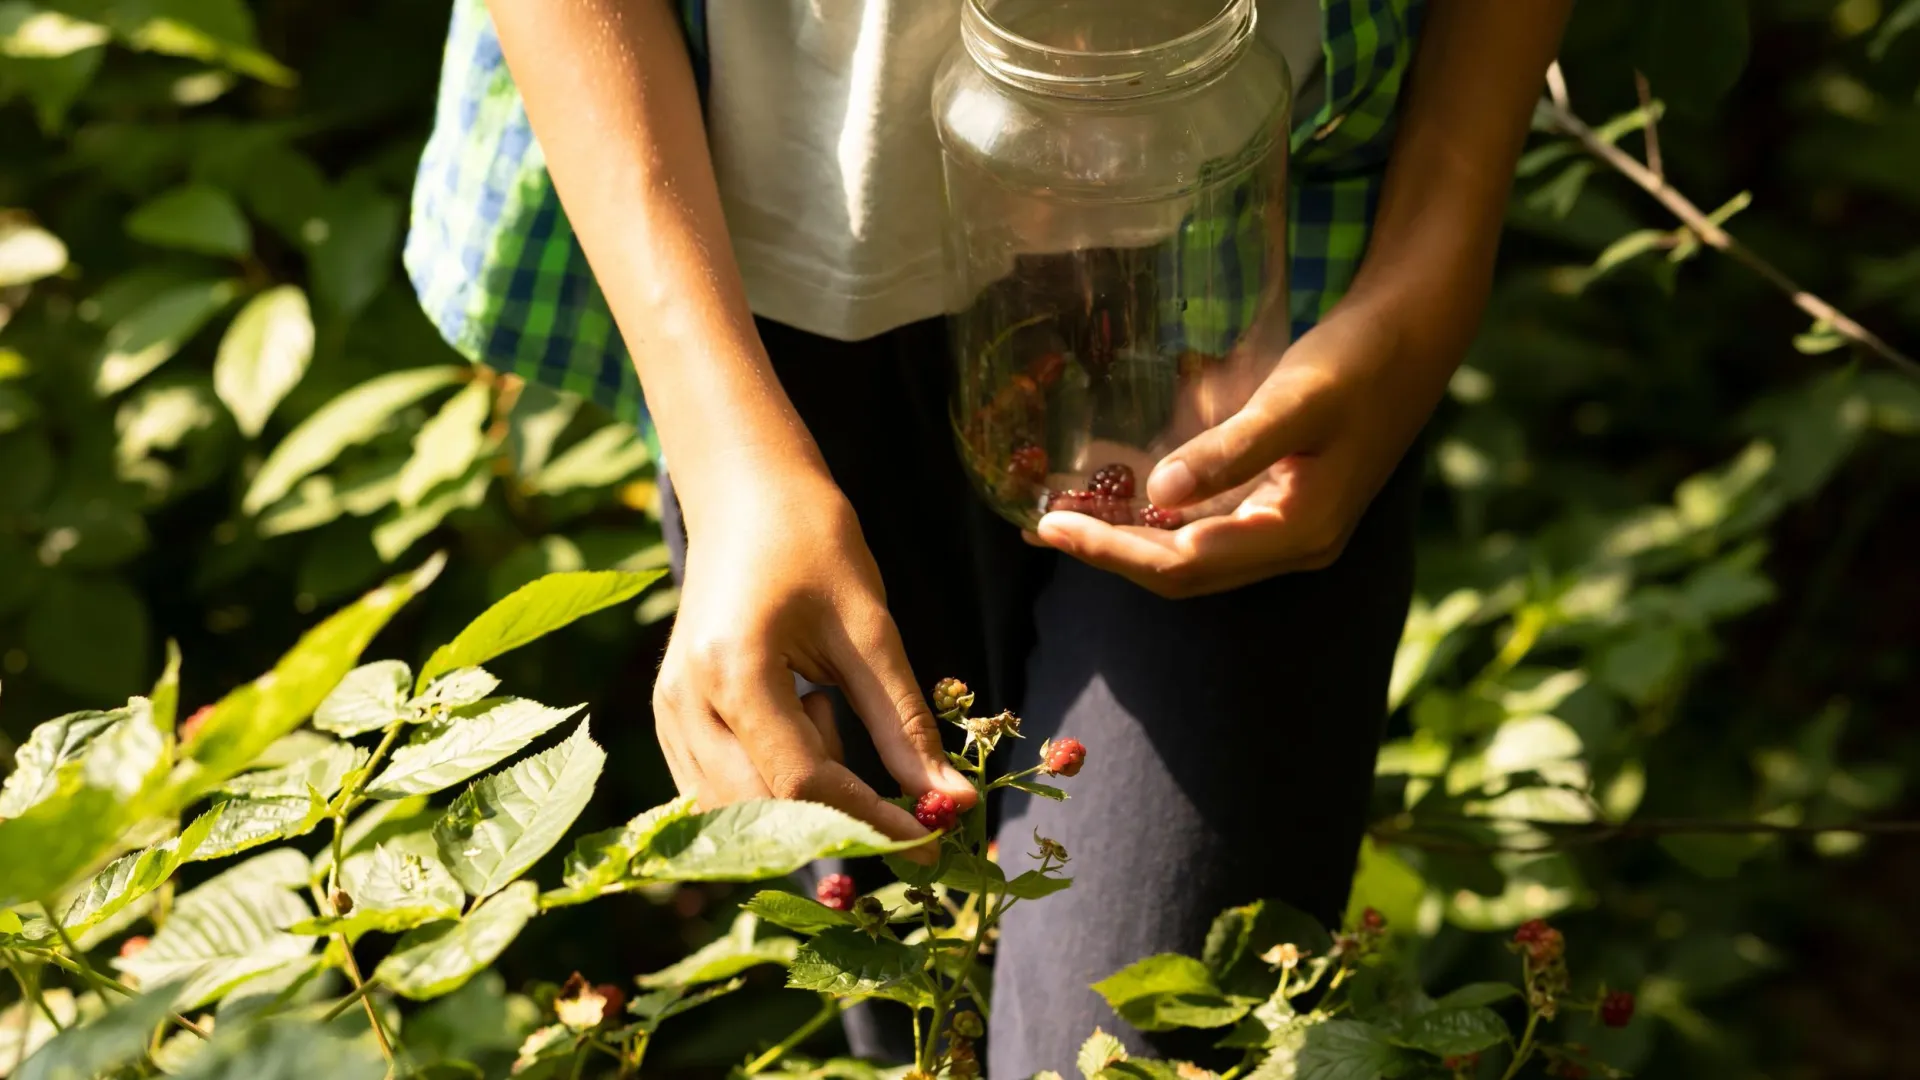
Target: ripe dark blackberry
{"x":1115,"y":480}
{"x":1616,"y":1009}
{"x":836,"y":891}
{"x":1028,"y":461}
{"x":1062,"y":757}
{"x":1154,"y":517}
{"x":1542,"y":943}
{"x":1108,"y":508}
{"x":936,"y":810}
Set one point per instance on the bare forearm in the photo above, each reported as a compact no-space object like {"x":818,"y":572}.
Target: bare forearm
{"x":611,"y":97}
{"x":1473,"y":85}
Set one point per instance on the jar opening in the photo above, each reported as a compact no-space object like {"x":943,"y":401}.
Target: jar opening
{"x":1105,"y":49}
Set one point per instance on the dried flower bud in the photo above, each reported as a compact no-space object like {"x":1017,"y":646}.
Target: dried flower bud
{"x":342,"y":903}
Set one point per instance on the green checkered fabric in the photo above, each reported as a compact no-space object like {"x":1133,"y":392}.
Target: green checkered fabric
{"x":500,"y":273}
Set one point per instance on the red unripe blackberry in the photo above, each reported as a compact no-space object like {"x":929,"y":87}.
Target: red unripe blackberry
{"x":133,"y":946}
{"x":1154,"y":517}
{"x":1542,"y":943}
{"x":616,"y":1000}
{"x":836,"y":891}
{"x":1062,"y":757}
{"x":191,"y":725}
{"x":1371,"y":919}
{"x":936,"y":810}
{"x":1616,"y":1009}
{"x":1115,"y":480}
{"x":1028,"y":462}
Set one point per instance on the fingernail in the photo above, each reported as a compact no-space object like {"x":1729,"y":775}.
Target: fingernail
{"x":1171,"y":483}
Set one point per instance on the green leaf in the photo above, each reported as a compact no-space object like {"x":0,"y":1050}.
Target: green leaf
{"x":28,"y":253}
{"x":662,"y":1005}
{"x":757,"y":839}
{"x":350,"y":245}
{"x":458,"y":746}
{"x":502,"y":824}
{"x":108,"y":789}
{"x":263,"y":355}
{"x":1045,"y":791}
{"x":1692,"y":53}
{"x":1479,"y":994}
{"x":9,"y":921}
{"x":845,"y":962}
{"x":1033,"y":885}
{"x":239,"y":824}
{"x":533,"y":611}
{"x":392,"y":890}
{"x":282,"y":1049}
{"x":368,"y":698}
{"x":151,"y":333}
{"x":1445,"y":1031}
{"x":1346,"y":1050}
{"x":1240,"y":935}
{"x":463,"y":686}
{"x":1099,"y":1051}
{"x":403,"y":526}
{"x":600,"y":859}
{"x":540,"y":414}
{"x":165,"y":699}
{"x":197,"y":218}
{"x":321,"y":770}
{"x":24,"y":1028}
{"x":52,"y":746}
{"x":972,"y":873}
{"x":250,"y":718}
{"x":229,"y":930}
{"x":801,"y":914}
{"x":348,"y":420}
{"x":103,"y":1045}
{"x":724,"y":957}
{"x":1168,"y":991}
{"x":130,"y":877}
{"x":607,"y":456}
{"x":447,"y":444}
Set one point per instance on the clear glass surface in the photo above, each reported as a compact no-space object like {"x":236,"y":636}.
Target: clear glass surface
{"x":1115,"y":175}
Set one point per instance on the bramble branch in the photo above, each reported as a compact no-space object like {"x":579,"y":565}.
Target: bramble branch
{"x":1653,"y":181}
{"x":1563,"y":835}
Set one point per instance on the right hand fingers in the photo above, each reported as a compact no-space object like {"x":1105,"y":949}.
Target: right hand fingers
{"x":879,"y":684}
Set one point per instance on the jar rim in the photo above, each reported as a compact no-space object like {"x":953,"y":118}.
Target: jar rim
{"x":1189,"y":57}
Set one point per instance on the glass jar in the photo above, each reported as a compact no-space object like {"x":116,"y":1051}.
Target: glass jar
{"x":1115,"y":175}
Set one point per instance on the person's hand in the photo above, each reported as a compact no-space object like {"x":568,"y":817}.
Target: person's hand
{"x":779,"y":580}
{"x":1289,"y":474}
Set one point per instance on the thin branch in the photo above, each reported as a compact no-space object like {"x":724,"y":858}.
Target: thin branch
{"x":108,"y":982}
{"x":1712,"y":234}
{"x":1652,"y":128}
{"x":1565,"y":834}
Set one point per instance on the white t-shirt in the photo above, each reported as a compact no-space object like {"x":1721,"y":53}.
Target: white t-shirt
{"x":820,"y":117}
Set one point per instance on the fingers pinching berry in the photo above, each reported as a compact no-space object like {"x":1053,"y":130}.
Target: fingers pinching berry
{"x":937,"y":810}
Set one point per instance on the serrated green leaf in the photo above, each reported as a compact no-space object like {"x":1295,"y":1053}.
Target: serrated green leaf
{"x":540,"y":414}
{"x":348,"y":420}
{"x":401,"y":527}
{"x":165,"y":699}
{"x":1447,"y":1031}
{"x":130,"y":877}
{"x":1099,"y":1051}
{"x":198,"y":218}
{"x":455,"y":747}
{"x":321,"y":770}
{"x":757,"y":839}
{"x":1033,"y":885}
{"x":1045,"y":791}
{"x":533,"y":611}
{"x":250,"y":718}
{"x":241,"y":824}
{"x":1346,"y":1050}
{"x":264,"y":355}
{"x":801,"y":914}
{"x":848,"y":963}
{"x":462,"y":686}
{"x":600,"y":859}
{"x":1240,"y":935}
{"x":503,"y":823}
{"x":662,"y":1005}
{"x":51,"y":747}
{"x":1169,"y":991}
{"x":392,"y":890}
{"x":972,"y":873}
{"x":228,"y":930}
{"x":368,"y":698}
{"x":437,"y":959}
{"x":447,"y":444}
{"x":105,"y":1044}
{"x":1141,"y":1069}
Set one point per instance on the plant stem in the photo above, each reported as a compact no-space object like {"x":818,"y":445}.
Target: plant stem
{"x":1714,"y":236}
{"x":350,"y":798}
{"x":110,"y":983}
{"x":829,"y":1009}
{"x":352,"y":968}
{"x":30,"y":988}
{"x":1524,"y":1050}
{"x":346,"y":1003}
